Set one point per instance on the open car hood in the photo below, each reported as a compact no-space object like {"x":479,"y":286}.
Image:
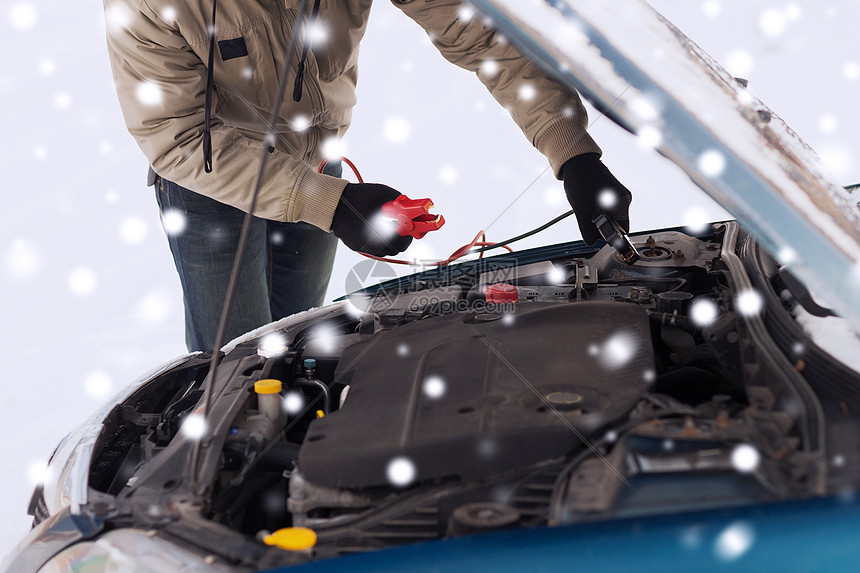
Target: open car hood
{"x":647,"y":76}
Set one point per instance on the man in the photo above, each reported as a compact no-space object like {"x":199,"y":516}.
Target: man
{"x":204,"y":135}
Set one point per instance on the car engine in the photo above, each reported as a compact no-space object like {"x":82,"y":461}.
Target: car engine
{"x":554,"y":386}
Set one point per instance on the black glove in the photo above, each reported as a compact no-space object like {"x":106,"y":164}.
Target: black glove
{"x":586,"y":179}
{"x":358,"y":220}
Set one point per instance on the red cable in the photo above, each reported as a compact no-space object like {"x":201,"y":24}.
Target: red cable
{"x":459,"y":253}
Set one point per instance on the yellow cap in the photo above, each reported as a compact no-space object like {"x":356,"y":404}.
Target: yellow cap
{"x":268,"y":386}
{"x":292,"y":538}
{"x":320,"y":414}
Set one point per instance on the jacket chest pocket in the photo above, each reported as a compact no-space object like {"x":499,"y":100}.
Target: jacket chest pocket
{"x":245,"y":65}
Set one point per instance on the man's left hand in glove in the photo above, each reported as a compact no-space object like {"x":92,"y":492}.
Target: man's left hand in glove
{"x":591,"y":188}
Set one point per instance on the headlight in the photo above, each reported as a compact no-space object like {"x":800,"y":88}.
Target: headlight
{"x":128,"y":551}
{"x":65,"y":483}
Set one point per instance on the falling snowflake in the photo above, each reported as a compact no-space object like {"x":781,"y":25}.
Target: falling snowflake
{"x":169,"y":14}
{"x":402,"y":349}
{"x":745,"y":458}
{"x":447,"y":175}
{"x":154,"y":308}
{"x":62,"y":101}
{"x":786,"y":255}
{"x":133,"y":230}
{"x":38,"y":472}
{"x":382,"y":226}
{"x":607,"y":198}
{"x":649,"y":137}
{"x":827,"y":124}
{"x":325,"y":337}
{"x":272,"y":344}
{"x":97,"y":385}
{"x":734,"y":541}
{"x":466,"y":12}
{"x":798,"y":348}
{"x":300,"y":122}
{"x":772,"y":22}
{"x":837,"y":159}
{"x":23,"y":260}
{"x":712,"y":8}
{"x":649,"y":376}
{"x":248,"y":73}
{"x":712,"y":163}
{"x":487,"y":447}
{"x":148,"y":93}
{"x":105,"y":147}
{"x":556,"y":276}
{"x":318,"y":33}
{"x":851,"y":71}
{"x":838,"y":460}
{"x":173,"y":221}
{"x":397,"y":130}
{"x":749,"y":303}
{"x":691,"y":537}
{"x":82,"y":281}
{"x":508,"y":319}
{"x":611,"y":436}
{"x":739,"y":63}
{"x":489,"y":68}
{"x":695,"y":220}
{"x":23,"y":16}
{"x":645,"y":109}
{"x":40,"y":153}
{"x":111,"y":196}
{"x":703,"y":311}
{"x":618,"y":350}
{"x":194,"y":427}
{"x":46,"y":67}
{"x":434,"y":387}
{"x":526,"y":92}
{"x":400,"y":471}
{"x":293,"y":403}
{"x":333,"y":147}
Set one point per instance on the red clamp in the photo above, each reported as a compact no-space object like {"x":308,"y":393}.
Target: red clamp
{"x":413,"y":216}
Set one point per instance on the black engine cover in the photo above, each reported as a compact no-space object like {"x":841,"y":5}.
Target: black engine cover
{"x":518,"y":389}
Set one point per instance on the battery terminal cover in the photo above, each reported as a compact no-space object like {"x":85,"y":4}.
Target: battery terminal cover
{"x":501,"y":292}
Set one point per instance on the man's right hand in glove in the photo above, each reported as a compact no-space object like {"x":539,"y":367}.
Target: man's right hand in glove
{"x":590,"y":189}
{"x":359,"y":223}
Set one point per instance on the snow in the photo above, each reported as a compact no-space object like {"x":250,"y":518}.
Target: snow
{"x":397,"y":130}
{"x":712,"y":163}
{"x":734,"y":541}
{"x":739,"y":63}
{"x":745,"y":458}
{"x":23,"y":16}
{"x":148,"y":93}
{"x":434,"y":387}
{"x":400,"y":471}
{"x":65,"y":203}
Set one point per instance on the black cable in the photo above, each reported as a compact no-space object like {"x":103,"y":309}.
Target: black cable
{"x":524,"y":235}
{"x":243,"y":241}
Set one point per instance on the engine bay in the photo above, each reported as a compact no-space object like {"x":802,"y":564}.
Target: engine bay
{"x":499,"y":393}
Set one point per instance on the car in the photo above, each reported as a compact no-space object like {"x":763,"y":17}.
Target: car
{"x":538,"y":409}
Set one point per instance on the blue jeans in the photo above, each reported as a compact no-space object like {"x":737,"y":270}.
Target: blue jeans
{"x":285,"y":270}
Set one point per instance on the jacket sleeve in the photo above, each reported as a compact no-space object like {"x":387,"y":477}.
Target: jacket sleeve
{"x":551,"y":116}
{"x":161,"y":86}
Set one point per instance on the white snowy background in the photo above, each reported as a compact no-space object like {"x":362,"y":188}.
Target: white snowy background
{"x":90,"y":299}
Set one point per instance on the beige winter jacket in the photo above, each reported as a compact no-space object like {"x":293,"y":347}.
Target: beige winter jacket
{"x":159,"y":50}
